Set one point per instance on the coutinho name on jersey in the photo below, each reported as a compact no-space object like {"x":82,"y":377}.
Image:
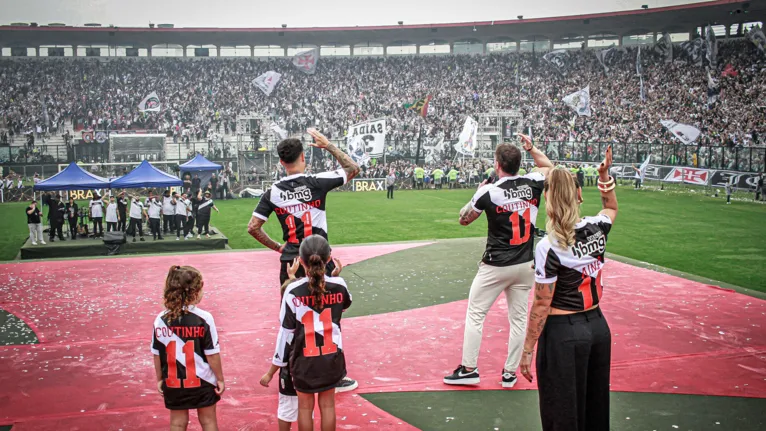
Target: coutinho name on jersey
{"x":310,"y":301}
{"x":180,"y":331}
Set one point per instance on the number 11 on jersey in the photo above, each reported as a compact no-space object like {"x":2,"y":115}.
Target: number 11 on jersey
{"x":292,"y":227}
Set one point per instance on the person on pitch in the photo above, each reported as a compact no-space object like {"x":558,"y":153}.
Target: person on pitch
{"x":122,"y":210}
{"x":168,"y":212}
{"x":566,"y":322}
{"x":97,"y":215}
{"x":137,"y":212}
{"x":154,"y":210}
{"x":34,"y":222}
{"x":299,"y":201}
{"x":71,"y":214}
{"x":184,"y":329}
{"x":181,"y":214}
{"x":390,"y":181}
{"x":112,"y":216}
{"x":206,"y":204}
{"x":511,"y":204}
{"x":57,"y":214}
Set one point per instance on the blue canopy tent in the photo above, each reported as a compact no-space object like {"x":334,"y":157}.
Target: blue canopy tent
{"x":72,"y":177}
{"x":145,"y":175}
{"x":202,"y":167}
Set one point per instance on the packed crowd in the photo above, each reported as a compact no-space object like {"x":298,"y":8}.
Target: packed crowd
{"x":201,"y":98}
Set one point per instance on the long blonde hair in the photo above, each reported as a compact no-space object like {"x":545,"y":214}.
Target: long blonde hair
{"x":561,"y":206}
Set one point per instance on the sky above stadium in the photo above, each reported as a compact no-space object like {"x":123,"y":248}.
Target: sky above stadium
{"x":299,"y":13}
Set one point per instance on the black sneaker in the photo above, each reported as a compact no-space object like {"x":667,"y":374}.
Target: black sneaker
{"x":345,"y":385}
{"x":463,"y":377}
{"x":509,"y":379}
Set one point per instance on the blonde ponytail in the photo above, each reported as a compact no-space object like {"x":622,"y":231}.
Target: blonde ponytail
{"x":562,"y":207}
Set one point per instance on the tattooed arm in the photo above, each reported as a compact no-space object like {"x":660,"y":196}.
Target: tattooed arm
{"x":541,"y":307}
{"x":468,"y":215}
{"x":351,"y":168}
{"x":255,"y":229}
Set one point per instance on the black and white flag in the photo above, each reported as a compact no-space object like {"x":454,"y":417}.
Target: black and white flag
{"x":640,"y":72}
{"x":267,"y":82}
{"x":711,"y":47}
{"x":694,"y":51}
{"x":665,"y":47}
{"x":605,"y":58}
{"x":713,"y":90}
{"x":579,"y":101}
{"x":756,"y":36}
{"x":559,"y":59}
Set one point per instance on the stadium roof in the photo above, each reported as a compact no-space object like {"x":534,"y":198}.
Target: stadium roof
{"x":681,"y":18}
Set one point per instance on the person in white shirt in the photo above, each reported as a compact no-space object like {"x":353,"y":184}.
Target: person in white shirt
{"x":137,"y":212}
{"x":181,"y":215}
{"x":112,"y":216}
{"x":155,"y":208}
{"x":97,"y":215}
{"x":168,"y":213}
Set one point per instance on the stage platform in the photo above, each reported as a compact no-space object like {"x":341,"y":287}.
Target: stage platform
{"x":87,"y":247}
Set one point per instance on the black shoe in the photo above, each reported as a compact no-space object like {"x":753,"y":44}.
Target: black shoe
{"x":345,"y":385}
{"x":142,"y":239}
{"x":160,"y":237}
{"x":134,"y":239}
{"x":463,"y":377}
{"x":509,"y":379}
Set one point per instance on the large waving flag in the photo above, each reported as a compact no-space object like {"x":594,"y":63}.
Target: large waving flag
{"x":684,"y":132}
{"x":713,"y":90}
{"x":640,"y":72}
{"x":559,"y":59}
{"x":306,"y":61}
{"x":711,"y":47}
{"x":756,"y":36}
{"x":267,"y":82}
{"x":642,"y":169}
{"x":605,"y":58}
{"x":579,"y":101}
{"x":466,"y":143}
{"x":150,"y":103}
{"x":664,"y":46}
{"x":420,"y":105}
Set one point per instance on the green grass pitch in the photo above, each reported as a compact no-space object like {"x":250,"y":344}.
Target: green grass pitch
{"x":692,"y":233}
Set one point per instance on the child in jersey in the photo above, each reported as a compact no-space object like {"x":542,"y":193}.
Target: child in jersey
{"x":287,"y":412}
{"x":186,"y":352}
{"x":313,"y":354}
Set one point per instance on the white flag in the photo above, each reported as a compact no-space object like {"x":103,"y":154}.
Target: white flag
{"x":605,"y":57}
{"x":151,"y":103}
{"x":306,"y":61}
{"x":278,"y":130}
{"x":756,"y":36}
{"x":642,"y":169}
{"x":366,"y":140}
{"x":684,"y":132}
{"x":466,"y":143}
{"x":579,"y":101}
{"x":267,"y":82}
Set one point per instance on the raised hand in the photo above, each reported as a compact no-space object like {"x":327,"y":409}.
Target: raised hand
{"x":603,"y":168}
{"x":526,"y":141}
{"x":320,"y":141}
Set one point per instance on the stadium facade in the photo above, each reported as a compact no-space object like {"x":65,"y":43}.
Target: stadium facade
{"x":729,"y":18}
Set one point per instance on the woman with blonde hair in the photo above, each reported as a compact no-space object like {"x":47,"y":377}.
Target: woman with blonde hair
{"x":574,"y":349}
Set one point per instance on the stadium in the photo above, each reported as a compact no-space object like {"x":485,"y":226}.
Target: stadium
{"x":140,"y":162}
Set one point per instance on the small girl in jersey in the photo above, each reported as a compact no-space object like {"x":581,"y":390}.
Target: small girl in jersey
{"x":310,"y":342}
{"x":187,"y":362}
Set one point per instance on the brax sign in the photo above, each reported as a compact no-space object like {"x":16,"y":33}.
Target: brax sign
{"x":370,"y":185}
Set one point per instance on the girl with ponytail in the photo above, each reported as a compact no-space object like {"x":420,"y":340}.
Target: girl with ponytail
{"x":185,"y":329}
{"x":566,"y":322}
{"x":309,"y":342}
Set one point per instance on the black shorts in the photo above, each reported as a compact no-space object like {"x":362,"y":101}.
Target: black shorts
{"x":301,"y":273}
{"x":286,"y":382}
{"x":190,"y":398}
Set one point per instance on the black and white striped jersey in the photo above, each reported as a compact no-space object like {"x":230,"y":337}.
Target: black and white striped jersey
{"x":511,"y":205}
{"x":182,"y":346}
{"x":576,"y":270}
{"x":310,"y":335}
{"x":204,"y":208}
{"x":299,"y":201}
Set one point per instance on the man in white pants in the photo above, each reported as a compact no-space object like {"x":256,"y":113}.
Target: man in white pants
{"x":34,"y":221}
{"x":511,"y":204}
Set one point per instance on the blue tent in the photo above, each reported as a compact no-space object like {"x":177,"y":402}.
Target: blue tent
{"x":200,"y":164}
{"x":72,"y":177}
{"x":145,"y":175}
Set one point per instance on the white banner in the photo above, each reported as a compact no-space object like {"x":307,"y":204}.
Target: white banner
{"x":366,"y":140}
{"x":151,"y":103}
{"x":466,"y":143}
{"x":306,"y":61}
{"x":579,"y":101}
{"x":684,"y":132}
{"x":267,"y":82}
{"x":279,"y":131}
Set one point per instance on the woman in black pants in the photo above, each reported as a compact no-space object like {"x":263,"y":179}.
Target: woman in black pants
{"x":574,"y":349}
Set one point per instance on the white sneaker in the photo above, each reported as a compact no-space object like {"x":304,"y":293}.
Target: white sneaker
{"x":43,"y":242}
{"x":34,"y":243}
{"x":178,"y":238}
{"x":198,"y":236}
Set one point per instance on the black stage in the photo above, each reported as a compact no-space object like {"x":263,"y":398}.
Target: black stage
{"x":87,"y":247}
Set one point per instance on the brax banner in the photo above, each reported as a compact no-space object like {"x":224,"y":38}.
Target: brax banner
{"x":369,"y":185}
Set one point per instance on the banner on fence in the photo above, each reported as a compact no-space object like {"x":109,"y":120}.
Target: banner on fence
{"x":696,"y":176}
{"x":369,"y":185}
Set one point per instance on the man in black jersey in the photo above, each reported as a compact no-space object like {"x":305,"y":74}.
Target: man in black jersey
{"x":511,"y":203}
{"x":299,"y":202}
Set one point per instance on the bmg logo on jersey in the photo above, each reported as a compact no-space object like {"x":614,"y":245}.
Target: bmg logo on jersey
{"x":523,"y":192}
{"x":301,"y":193}
{"x":596,"y":243}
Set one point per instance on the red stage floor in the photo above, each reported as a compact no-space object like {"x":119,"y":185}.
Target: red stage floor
{"x":93,"y":368}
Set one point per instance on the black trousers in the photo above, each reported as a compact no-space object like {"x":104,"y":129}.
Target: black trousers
{"x":390,"y":192}
{"x":189,"y":226}
{"x":137,"y":225}
{"x":111,"y":226}
{"x":98,"y":226}
{"x":638,"y":183}
{"x":154,"y":227}
{"x":56,"y":229}
{"x":180,"y":224}
{"x":573,"y":358}
{"x":73,"y":228}
{"x":203,"y":223}
{"x":121,"y":225}
{"x":168,"y":223}
{"x":224,"y":191}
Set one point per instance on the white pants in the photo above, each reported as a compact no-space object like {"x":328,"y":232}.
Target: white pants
{"x":35,"y":232}
{"x":288,"y":408}
{"x":516,"y":281}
